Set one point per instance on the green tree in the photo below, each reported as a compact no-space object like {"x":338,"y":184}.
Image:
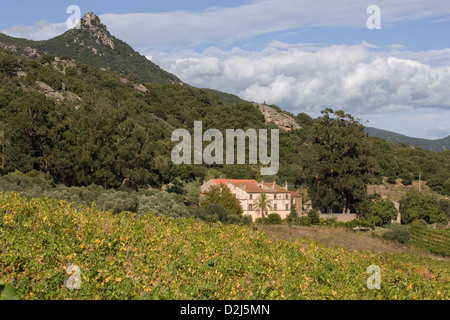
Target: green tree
{"x":222,"y":195}
{"x":8,"y":63}
{"x":292,"y":216}
{"x":262,"y":203}
{"x":336,"y":163}
{"x":419,"y":205}
{"x":313,"y":216}
{"x":381,"y":212}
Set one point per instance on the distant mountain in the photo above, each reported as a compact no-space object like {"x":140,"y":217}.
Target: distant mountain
{"x":426,"y":144}
{"x":93,"y":45}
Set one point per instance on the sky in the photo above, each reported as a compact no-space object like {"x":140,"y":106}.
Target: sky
{"x":301,"y":55}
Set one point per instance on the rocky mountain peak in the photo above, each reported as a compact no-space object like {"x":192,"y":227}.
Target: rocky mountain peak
{"x":97,"y":30}
{"x":90,"y":20}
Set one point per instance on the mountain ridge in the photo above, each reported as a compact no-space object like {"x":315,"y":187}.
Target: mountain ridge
{"x":437,"y":145}
{"x":92,"y":44}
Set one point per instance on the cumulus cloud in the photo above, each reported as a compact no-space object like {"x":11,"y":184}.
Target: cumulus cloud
{"x":352,"y":78}
{"x":39,"y":31}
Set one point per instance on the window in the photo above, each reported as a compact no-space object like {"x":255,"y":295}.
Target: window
{"x":275,"y":207}
{"x":287,"y":207}
{"x":249,"y":207}
{"x":251,"y":196}
{"x":287,"y":196}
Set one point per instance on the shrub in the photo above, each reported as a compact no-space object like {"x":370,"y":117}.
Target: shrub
{"x":233,"y":218}
{"x":304,"y":221}
{"x":47,"y":58}
{"x":247,"y":220}
{"x":357,"y":223}
{"x":313,"y":216}
{"x":419,"y":224}
{"x":398,"y":233}
{"x":217,"y":209}
{"x":328,"y":221}
{"x":273,"y":218}
{"x":71,"y":72}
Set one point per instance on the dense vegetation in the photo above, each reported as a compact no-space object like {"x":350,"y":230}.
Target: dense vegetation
{"x":115,"y":136}
{"x":125,"y":256}
{"x":424,"y":206}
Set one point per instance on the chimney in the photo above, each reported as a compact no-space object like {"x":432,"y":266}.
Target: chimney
{"x":273,"y":185}
{"x":286,"y":186}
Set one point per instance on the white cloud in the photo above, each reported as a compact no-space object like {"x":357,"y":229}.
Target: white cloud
{"x":301,"y":77}
{"x":352,"y":78}
{"x":228,"y":24}
{"x":260,"y":17}
{"x":430,"y":123}
{"x":395,"y":46}
{"x":219,"y":24}
{"x":39,"y":31}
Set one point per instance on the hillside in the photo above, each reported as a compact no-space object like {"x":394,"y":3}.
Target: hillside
{"x":82,"y":124}
{"x":426,"y":144}
{"x":92,"y":44}
{"x":146,"y":257}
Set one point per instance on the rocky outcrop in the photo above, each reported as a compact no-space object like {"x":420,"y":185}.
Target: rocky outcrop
{"x":92,"y":22}
{"x":140,"y":88}
{"x":44,"y":87}
{"x":51,"y":93}
{"x":280,"y":119}
{"x":22,"y":74}
{"x":61,"y":64}
{"x":72,"y":97}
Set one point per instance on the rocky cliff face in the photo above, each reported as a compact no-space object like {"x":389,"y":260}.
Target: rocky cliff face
{"x":97,"y":30}
{"x":282,"y":120}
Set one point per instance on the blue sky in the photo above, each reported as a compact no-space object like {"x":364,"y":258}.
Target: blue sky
{"x":301,"y":55}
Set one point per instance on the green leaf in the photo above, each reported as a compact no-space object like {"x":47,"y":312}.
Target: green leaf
{"x":8,"y":292}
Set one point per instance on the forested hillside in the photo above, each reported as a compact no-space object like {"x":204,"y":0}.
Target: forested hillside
{"x":92,"y":44}
{"x":85,"y":109}
{"x":81,"y":126}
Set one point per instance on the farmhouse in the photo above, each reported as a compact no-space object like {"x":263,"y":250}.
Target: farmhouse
{"x":248,"y":191}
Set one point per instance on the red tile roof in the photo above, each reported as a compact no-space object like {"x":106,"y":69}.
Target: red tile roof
{"x":296,"y":195}
{"x":224,"y":181}
{"x":254,"y":186}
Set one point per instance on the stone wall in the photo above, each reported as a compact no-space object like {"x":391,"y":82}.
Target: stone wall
{"x":339,"y":216}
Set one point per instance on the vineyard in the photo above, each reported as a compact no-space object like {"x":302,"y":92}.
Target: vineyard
{"x":431,"y":240}
{"x":125,"y":256}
